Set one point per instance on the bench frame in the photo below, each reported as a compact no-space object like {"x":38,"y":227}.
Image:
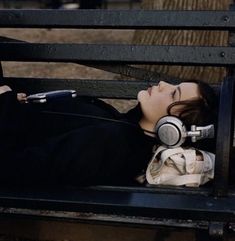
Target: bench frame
{"x":140,"y":206}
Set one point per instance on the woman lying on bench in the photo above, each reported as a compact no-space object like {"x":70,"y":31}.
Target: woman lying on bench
{"x":39,"y":145}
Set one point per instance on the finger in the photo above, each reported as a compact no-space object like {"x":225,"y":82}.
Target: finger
{"x":21,"y":97}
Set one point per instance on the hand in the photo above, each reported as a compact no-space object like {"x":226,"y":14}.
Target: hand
{"x":21,"y":97}
{"x":4,"y":88}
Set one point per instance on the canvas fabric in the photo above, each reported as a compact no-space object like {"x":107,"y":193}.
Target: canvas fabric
{"x":180,"y":166}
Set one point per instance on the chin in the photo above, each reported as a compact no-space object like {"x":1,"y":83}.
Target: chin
{"x":141,"y":95}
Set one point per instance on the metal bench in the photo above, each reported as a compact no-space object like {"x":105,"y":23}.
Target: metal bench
{"x":209,"y":209}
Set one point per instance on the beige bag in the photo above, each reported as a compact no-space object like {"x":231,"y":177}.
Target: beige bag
{"x":180,"y":166}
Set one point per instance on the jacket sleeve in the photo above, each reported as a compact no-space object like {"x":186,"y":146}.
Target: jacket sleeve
{"x":8,"y":103}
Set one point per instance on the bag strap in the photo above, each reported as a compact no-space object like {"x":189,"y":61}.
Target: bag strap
{"x":187,"y":179}
{"x":166,"y":153}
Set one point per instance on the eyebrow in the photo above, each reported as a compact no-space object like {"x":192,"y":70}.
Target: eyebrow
{"x":179,"y":90}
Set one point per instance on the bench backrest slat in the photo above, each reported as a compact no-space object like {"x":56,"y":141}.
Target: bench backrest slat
{"x":118,"y":19}
{"x":116,"y":89}
{"x":109,"y":53}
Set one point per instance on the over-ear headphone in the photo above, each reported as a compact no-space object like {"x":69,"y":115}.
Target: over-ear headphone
{"x":171,"y":132}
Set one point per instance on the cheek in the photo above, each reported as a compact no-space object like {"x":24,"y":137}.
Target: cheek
{"x":161,"y":105}
{"x":151,"y":108}
{"x":154,"y":106}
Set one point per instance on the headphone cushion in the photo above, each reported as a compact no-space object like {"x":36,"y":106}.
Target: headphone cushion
{"x":170,"y":131}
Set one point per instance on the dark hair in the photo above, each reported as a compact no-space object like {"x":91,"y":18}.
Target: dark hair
{"x":201,"y":111}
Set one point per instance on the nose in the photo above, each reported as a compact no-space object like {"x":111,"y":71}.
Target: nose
{"x":162,"y":85}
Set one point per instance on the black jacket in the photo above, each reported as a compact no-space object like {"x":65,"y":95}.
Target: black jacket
{"x":42,"y":148}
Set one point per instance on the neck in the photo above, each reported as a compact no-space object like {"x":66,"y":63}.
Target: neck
{"x":147,"y":125}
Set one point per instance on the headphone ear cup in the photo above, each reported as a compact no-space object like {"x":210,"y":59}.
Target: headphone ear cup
{"x":170,"y":131}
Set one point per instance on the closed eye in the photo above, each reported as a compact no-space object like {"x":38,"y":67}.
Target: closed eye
{"x":173,"y":94}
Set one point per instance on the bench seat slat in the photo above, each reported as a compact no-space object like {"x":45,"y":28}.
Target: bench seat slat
{"x":155,"y":205}
{"x":118,"y":19}
{"x":84,"y":217}
{"x":117,"y":89}
{"x":113,"y":53}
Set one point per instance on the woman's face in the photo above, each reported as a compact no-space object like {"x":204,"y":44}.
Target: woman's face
{"x":155,"y":100}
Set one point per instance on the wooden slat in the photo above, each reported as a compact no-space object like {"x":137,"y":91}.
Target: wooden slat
{"x":117,"y":89}
{"x":110,"y":53}
{"x":118,"y":19}
{"x":100,"y":218}
{"x":122,"y":203}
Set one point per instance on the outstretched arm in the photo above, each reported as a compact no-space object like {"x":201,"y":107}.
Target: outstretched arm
{"x":21,"y":97}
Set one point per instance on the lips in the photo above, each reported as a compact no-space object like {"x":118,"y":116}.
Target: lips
{"x":149,"y":90}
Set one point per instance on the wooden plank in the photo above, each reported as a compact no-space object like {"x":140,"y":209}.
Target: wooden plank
{"x":112,"y":53}
{"x":117,"y":89}
{"x":118,"y":19}
{"x":122,"y":203}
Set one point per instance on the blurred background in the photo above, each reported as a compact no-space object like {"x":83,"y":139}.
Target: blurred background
{"x":71,"y":4}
